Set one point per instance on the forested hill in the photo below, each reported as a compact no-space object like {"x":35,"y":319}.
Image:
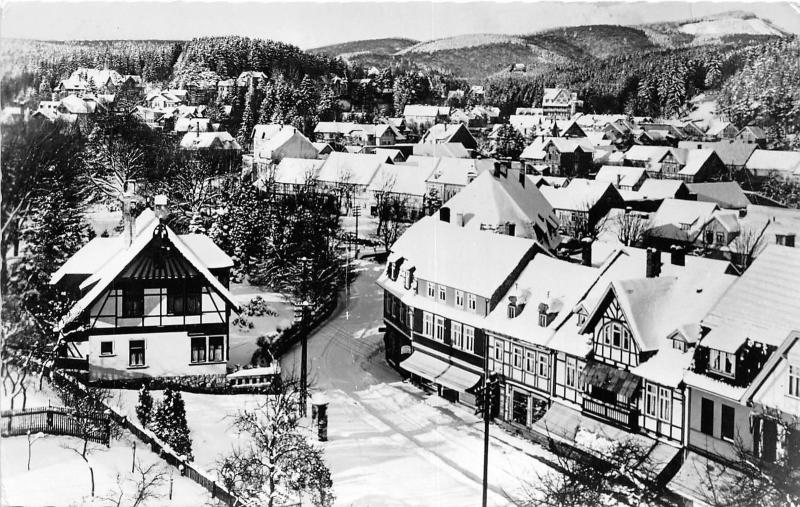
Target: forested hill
{"x":476,"y":56}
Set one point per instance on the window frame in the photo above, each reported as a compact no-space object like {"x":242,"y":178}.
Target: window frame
{"x":459,"y":298}
{"x":542,"y":365}
{"x":516,"y":357}
{"x":469,"y":339}
{"x":107,"y":342}
{"x":212,"y":358}
{"x":431,"y":290}
{"x":427,"y":324}
{"x":456,"y":335}
{"x":651,"y":400}
{"x":131,"y":363}
{"x":442,"y":290}
{"x":192,"y":348}
{"x":438,"y":328}
{"x":571,"y":373}
{"x":131,"y":299}
{"x":530,"y":361}
{"x":664,"y":402}
{"x":717,"y":363}
{"x":472,"y":303}
{"x":729,"y":423}
{"x":793,"y":372}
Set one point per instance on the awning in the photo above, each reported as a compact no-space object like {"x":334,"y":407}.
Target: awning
{"x":621,"y":382}
{"x":440,"y":372}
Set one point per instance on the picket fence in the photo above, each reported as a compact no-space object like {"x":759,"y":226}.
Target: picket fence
{"x":55,"y":421}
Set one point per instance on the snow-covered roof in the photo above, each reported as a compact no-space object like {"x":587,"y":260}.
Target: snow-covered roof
{"x":401,"y":178}
{"x":639,"y":153}
{"x":422,"y":110}
{"x":76,"y":105}
{"x":104,"y":274}
{"x":493,"y":201}
{"x":763,"y":300}
{"x":442,"y":132}
{"x":666,"y":367}
{"x":337,"y":127}
{"x":449,"y":150}
{"x":209,"y":140}
{"x":619,"y":175}
{"x":731,"y":152}
{"x":712,"y":385}
{"x":391,"y":153}
{"x":782,"y":161}
{"x":559,"y":284}
{"x":679,"y":212}
{"x":654,"y":189}
{"x":286,"y":139}
{"x":456,"y":171}
{"x":469,"y":260}
{"x":351,"y":168}
{"x":192,"y":125}
{"x":296,"y":171}
{"x":695,"y":160}
{"x":267,"y":131}
{"x":579,"y":195}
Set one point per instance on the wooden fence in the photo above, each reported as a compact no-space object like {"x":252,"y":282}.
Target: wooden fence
{"x":56,"y":421}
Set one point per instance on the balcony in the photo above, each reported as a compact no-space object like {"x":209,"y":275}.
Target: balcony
{"x":618,"y":415}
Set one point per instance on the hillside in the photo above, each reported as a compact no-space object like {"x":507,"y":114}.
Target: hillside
{"x":347,"y":50}
{"x":476,"y":56}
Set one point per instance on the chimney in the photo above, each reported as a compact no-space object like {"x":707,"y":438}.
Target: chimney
{"x":161,"y":208}
{"x":511,"y":228}
{"x":444,"y":214}
{"x":677,"y":256}
{"x":653,"y":267}
{"x":522,"y":178}
{"x":586,"y":251}
{"x":742,"y":212}
{"x":497,"y":170}
{"x":460,"y":219}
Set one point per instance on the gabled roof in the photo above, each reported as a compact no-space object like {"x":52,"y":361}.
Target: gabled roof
{"x":76,"y":105}
{"x":727,"y":194}
{"x":557,"y":283}
{"x":695,"y":160}
{"x":286,"y":139}
{"x":209,"y":140}
{"x":717,"y":127}
{"x":493,"y":201}
{"x":401,"y":178}
{"x":622,"y":176}
{"x":660,"y":189}
{"x":783,"y":161}
{"x":579,"y":195}
{"x":678,"y":212}
{"x":193,"y":125}
{"x":422,"y":110}
{"x":442,"y":132}
{"x":455,"y":171}
{"x":763,"y":303}
{"x":469,"y":260}
{"x":450,"y":150}
{"x":757,"y":132}
{"x":731,"y":152}
{"x":296,"y":171}
{"x":351,"y":168}
{"x":104,"y":274}
{"x":337,"y":127}
{"x":639,"y":153}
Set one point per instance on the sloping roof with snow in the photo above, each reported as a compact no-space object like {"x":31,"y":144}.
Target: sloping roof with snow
{"x":473,"y":261}
{"x":579,"y":195}
{"x":76,"y":105}
{"x":555,"y":282}
{"x":732,"y":153}
{"x":337,"y":127}
{"x":695,"y":160}
{"x":622,"y":176}
{"x":639,"y":153}
{"x":782,"y":161}
{"x":267,"y":131}
{"x":763,"y":303}
{"x":450,"y":150}
{"x":209,"y":140}
{"x":286,"y":140}
{"x":727,"y":194}
{"x":402,"y":178}
{"x":456,"y":171}
{"x":351,"y":168}
{"x":678,"y":212}
{"x":192,"y":125}
{"x":493,"y":201}
{"x":422,"y":110}
{"x":442,"y":132}
{"x":660,"y":189}
{"x":297,"y":171}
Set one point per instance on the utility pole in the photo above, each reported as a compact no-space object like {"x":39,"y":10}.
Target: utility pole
{"x":304,"y":339}
{"x":356,"y":213}
{"x":487,"y":405}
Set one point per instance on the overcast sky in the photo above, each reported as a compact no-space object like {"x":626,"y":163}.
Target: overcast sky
{"x":314,"y":24}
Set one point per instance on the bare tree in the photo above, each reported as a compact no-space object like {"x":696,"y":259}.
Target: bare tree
{"x":744,"y":247}
{"x":279,"y":459}
{"x":584,"y":225}
{"x":630,"y":227}
{"x":15,"y":378}
{"x":145,"y":486}
{"x":345,"y":188}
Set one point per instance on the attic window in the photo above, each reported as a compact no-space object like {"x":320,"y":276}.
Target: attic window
{"x":794,"y":380}
{"x":723,"y":363}
{"x":512,"y":311}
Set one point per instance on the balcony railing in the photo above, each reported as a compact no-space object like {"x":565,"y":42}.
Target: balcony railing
{"x":618,"y":415}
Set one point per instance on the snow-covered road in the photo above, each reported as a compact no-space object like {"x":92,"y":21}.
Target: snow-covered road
{"x":391,"y":443}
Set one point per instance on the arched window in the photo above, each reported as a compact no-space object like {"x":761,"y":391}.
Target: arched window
{"x":616,"y":334}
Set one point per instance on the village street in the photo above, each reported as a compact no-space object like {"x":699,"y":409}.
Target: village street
{"x":391,"y":443}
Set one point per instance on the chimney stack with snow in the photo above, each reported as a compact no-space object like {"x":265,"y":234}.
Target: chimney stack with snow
{"x":586,"y":251}
{"x":677,"y":257}
{"x":653,"y":266}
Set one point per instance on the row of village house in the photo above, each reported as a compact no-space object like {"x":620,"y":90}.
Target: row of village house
{"x":670,"y":350}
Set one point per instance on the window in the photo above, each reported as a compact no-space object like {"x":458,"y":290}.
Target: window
{"x":469,"y":339}
{"x":530,"y":361}
{"x":512,"y":311}
{"x":517,"y":359}
{"x":199,"y":349}
{"x":617,"y":335}
{"x":472,"y":302}
{"x":106,"y":348}
{"x":442,"y":293}
{"x":136,"y":353}
{"x":543,"y":365}
{"x":651,"y":400}
{"x":439,"y":329}
{"x":664,"y":404}
{"x":427,"y":324}
{"x":542,"y":320}
{"x":456,"y":336}
{"x":498,"y":349}
{"x":431,"y":290}
{"x":679,"y":345}
{"x":216,"y":348}
{"x":133,"y":302}
{"x":721,"y":238}
{"x":519,"y":410}
{"x":686,"y":227}
{"x":726,"y":426}
{"x":707,"y":416}
{"x":460,"y":299}
{"x":709,"y":235}
{"x":794,"y":380}
{"x":570,"y":372}
{"x":723,"y":363}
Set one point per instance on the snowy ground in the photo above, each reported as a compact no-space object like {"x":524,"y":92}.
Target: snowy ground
{"x":101,"y":219}
{"x":59,"y":476}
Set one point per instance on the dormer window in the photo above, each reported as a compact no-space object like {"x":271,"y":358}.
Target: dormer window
{"x":542,"y":320}
{"x":442,"y":293}
{"x":512,"y":310}
{"x":723,"y":363}
{"x":431,"y":290}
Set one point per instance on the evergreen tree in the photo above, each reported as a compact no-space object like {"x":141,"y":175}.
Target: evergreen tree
{"x":267,"y":107}
{"x":144,"y":408}
{"x":509,"y":143}
{"x":327,"y":106}
{"x":169,"y":423}
{"x":248,"y":117}
{"x":45,"y":91}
